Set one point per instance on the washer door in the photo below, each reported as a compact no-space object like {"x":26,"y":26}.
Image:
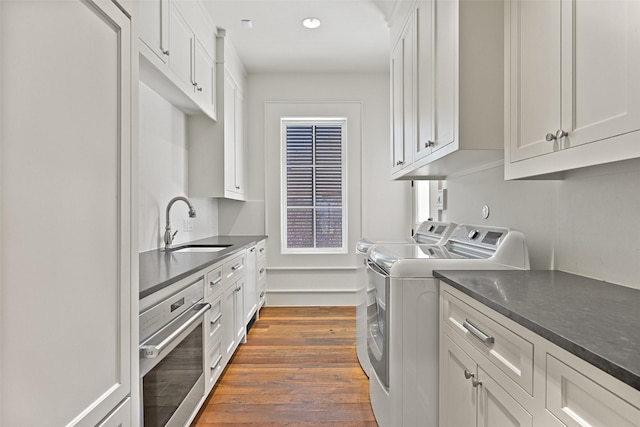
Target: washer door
{"x":377,"y":323}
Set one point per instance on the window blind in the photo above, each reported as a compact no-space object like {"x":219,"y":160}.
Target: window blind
{"x":314,"y":186}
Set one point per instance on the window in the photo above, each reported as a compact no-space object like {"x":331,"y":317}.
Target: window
{"x":313,"y":183}
{"x":421,"y":202}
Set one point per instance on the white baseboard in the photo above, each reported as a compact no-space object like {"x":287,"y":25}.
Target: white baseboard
{"x":310,"y":297}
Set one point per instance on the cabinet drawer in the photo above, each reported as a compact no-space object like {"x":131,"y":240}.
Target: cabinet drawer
{"x":235,"y":267}
{"x":580,"y":401}
{"x":214,"y":281}
{"x":511,"y":353}
{"x":261,"y":248}
{"x":214,"y":323}
{"x":214,"y":364}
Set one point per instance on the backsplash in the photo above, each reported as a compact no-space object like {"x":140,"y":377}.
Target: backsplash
{"x":584,"y":224}
{"x":163,"y":175}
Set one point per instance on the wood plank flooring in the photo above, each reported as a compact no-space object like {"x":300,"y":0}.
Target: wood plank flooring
{"x":298,"y":368}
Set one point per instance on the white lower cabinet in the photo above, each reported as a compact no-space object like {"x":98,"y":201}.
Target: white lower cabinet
{"x":262,"y":273}
{"x":576,"y":395}
{"x":478,"y":388}
{"x":472,"y":397}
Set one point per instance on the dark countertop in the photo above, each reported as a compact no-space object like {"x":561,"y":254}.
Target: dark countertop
{"x":597,"y":321}
{"x":159,"y":269}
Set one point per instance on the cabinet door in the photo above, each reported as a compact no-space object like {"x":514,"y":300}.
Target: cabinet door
{"x":233,"y":139}
{"x":445,"y":19}
{"x":204,"y":79}
{"x":67,"y":244}
{"x":424,"y":80}
{"x":153,"y":26}
{"x":458,"y":398}
{"x":397,"y":107}
{"x":535,"y":81}
{"x":251,"y":285}
{"x":601,"y":65}
{"x":181,"y":42}
{"x":239,"y":145}
{"x":496,"y":408}
{"x":403,"y":99}
{"x":229,"y":342}
{"x":238,"y":315}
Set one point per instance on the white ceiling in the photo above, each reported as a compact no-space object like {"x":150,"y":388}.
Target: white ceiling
{"x":353,"y":37}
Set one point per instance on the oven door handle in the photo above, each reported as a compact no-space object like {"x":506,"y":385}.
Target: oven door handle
{"x":150,"y":349}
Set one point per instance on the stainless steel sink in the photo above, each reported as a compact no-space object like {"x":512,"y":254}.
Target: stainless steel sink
{"x":212,"y":248}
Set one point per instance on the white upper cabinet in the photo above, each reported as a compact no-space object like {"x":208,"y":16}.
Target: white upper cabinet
{"x":402,"y":98}
{"x":217,"y":149}
{"x":177,"y":54}
{"x":573,"y":96}
{"x":152,"y":26}
{"x":453,"y":94}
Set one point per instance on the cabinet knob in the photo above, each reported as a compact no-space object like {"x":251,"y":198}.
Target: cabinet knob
{"x":429,"y":144}
{"x":559,"y":134}
{"x":468,"y":374}
{"x":199,"y":89}
{"x":165,"y":52}
{"x":475,"y":382}
{"x":400,"y":162}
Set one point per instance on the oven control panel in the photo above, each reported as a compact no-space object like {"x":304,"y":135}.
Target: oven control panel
{"x":153,"y":319}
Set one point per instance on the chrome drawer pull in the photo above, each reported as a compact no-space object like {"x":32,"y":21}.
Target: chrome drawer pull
{"x":214,"y":321}
{"x":215,"y":364}
{"x":236,"y":267}
{"x":215,"y":282}
{"x":476,"y":332}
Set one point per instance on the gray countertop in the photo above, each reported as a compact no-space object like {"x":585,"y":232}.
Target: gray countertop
{"x":159,"y":269}
{"x":596,"y":321}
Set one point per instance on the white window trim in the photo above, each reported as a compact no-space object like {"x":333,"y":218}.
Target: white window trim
{"x":284,"y":121}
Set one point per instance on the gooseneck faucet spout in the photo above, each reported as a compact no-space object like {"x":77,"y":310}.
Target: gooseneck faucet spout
{"x":168,"y":236}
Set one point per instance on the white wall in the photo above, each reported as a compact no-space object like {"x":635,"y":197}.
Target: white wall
{"x":163,"y":175}
{"x":585,"y":224}
{"x":379,"y":198}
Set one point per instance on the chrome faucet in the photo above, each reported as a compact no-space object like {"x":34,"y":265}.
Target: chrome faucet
{"x":168,"y":237}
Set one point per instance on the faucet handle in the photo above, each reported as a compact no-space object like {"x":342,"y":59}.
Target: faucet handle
{"x":173,"y":235}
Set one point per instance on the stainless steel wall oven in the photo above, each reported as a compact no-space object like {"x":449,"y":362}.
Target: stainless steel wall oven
{"x":172,"y":357}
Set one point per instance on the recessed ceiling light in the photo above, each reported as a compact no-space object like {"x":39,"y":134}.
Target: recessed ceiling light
{"x":246,"y":23}
{"x":311,"y":23}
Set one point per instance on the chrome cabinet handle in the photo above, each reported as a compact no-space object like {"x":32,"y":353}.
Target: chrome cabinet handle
{"x":429,"y":144}
{"x":400,"y":162}
{"x":214,"y":321}
{"x":261,"y":294}
{"x":236,"y":267}
{"x":475,"y":382}
{"x":468,"y":374}
{"x":215,"y":282}
{"x":559,"y":134}
{"x":199,"y":89}
{"x":261,"y":250}
{"x":252,"y":249}
{"x":215,"y":364}
{"x":476,"y":332}
{"x":165,"y":52}
{"x":261,"y":270}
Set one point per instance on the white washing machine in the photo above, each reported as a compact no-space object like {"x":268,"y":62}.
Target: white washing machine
{"x":402,"y":334}
{"x":428,"y":232}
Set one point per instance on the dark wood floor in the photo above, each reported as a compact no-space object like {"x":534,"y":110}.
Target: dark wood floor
{"x":298,"y":368}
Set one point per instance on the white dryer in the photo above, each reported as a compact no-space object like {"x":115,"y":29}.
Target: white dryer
{"x":402,"y":332}
{"x":428,"y":233}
